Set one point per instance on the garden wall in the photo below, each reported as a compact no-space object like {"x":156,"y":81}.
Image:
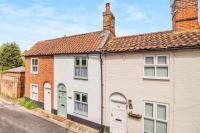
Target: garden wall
{"x":12,"y":84}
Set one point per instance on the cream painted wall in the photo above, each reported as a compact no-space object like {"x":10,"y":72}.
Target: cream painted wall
{"x":123,"y":72}
{"x":64,"y":73}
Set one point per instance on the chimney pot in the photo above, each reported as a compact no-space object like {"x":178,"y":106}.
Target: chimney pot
{"x":107,"y":6}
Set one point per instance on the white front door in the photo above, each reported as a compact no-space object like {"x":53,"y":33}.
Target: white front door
{"x":47,"y":99}
{"x":118,"y":118}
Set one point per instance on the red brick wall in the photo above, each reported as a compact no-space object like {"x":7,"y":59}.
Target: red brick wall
{"x":185,"y":15}
{"x":45,"y":74}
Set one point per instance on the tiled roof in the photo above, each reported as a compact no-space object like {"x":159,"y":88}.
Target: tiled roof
{"x":83,"y":43}
{"x":17,"y":69}
{"x":154,"y":41}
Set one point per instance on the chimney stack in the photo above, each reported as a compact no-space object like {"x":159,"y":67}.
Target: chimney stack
{"x":185,"y":15}
{"x":109,"y":21}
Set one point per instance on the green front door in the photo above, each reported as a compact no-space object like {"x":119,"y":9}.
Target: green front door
{"x":62,"y":101}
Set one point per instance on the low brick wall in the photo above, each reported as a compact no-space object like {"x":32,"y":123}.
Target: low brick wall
{"x":12,"y":84}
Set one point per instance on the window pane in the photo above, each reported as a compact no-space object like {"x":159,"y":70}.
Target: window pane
{"x":162,"y":71}
{"x":77,"y":97}
{"x":84,"y":98}
{"x":77,"y":107}
{"x":33,"y":61}
{"x":161,"y":112}
{"x":77,"y":71}
{"x":148,"y":125}
{"x":34,"y":88}
{"x":85,"y":108}
{"x":162,"y":60}
{"x":149,"y":71}
{"x":35,"y":69}
{"x":149,"y":109}
{"x":36,"y":62}
{"x":84,"y":72}
{"x":149,"y":60}
{"x":84,"y":62}
{"x":161,"y":127}
{"x":77,"y":62}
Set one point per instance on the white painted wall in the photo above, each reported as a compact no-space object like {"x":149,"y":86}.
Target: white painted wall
{"x":64,"y":73}
{"x":124,"y":73}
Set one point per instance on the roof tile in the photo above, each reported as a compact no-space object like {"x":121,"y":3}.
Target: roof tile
{"x":153,"y":41}
{"x":83,"y":43}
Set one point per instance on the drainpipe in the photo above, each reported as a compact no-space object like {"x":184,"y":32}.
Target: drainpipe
{"x":101,"y":65}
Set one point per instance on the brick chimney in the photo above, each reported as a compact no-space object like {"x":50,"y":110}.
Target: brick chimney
{"x":185,"y":15}
{"x":109,"y":20}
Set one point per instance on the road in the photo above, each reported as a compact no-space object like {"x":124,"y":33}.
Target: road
{"x":15,"y":120}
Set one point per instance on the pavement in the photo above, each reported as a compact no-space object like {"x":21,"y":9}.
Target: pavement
{"x":13,"y":119}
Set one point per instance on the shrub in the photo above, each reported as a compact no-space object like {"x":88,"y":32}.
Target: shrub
{"x":27,"y":103}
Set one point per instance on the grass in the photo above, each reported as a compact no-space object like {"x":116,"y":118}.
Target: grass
{"x":5,"y":96}
{"x":27,"y":103}
{"x":22,"y":101}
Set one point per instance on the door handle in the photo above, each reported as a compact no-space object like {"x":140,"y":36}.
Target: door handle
{"x":118,"y":120}
{"x":62,"y":105}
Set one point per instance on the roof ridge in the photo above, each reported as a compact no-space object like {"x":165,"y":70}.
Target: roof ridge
{"x":75,"y":35}
{"x":143,"y":34}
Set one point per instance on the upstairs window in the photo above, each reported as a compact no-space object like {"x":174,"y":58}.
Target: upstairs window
{"x":34,"y":65}
{"x":81,"y":67}
{"x":156,"y":67}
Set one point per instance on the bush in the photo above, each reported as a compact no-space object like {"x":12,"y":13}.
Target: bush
{"x":27,"y":103}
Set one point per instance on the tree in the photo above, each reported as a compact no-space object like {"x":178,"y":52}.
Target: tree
{"x":10,"y":56}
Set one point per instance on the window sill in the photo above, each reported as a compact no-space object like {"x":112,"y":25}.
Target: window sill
{"x":36,"y":100}
{"x":80,"y":114}
{"x":155,"y":78}
{"x":80,"y":78}
{"x":34,"y":73}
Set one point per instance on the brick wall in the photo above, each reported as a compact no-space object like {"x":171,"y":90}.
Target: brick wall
{"x":45,"y":74}
{"x":185,"y":15}
{"x":12,"y":84}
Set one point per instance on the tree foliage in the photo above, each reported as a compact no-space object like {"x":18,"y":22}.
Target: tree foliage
{"x":10,"y":56}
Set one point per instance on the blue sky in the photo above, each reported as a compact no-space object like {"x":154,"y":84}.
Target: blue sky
{"x":28,"y":21}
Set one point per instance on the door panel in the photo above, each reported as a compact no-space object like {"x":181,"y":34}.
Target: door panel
{"x":47,"y":99}
{"x":62,"y":102}
{"x":118,"y":118}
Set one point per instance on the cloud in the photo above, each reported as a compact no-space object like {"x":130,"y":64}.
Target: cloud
{"x":133,"y":13}
{"x":35,"y":22}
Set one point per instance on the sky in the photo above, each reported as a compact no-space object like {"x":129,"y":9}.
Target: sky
{"x":28,"y":21}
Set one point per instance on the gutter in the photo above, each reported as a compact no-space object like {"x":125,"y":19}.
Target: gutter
{"x":105,"y":38}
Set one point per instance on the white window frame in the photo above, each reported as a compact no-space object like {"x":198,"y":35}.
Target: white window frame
{"x":156,"y":65}
{"x":80,"y":65}
{"x":154,"y":118}
{"x":34,"y":72}
{"x":81,"y":102}
{"x":32,"y":92}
